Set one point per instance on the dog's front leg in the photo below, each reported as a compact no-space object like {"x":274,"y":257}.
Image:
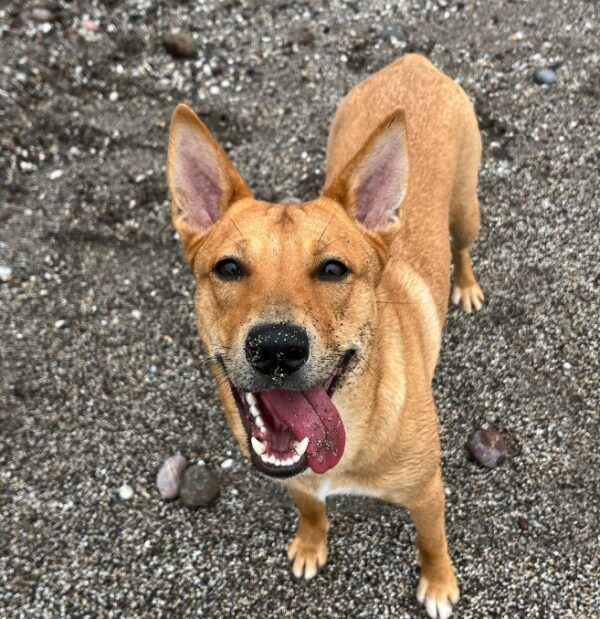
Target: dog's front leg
{"x":437,"y":588}
{"x":308,"y":551}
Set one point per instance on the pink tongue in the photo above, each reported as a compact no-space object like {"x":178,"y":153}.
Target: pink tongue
{"x":310,"y":413}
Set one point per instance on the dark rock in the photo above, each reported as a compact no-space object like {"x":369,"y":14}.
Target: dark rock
{"x":17,"y":23}
{"x":264,"y":193}
{"x":488,"y":447}
{"x":302,"y":37}
{"x":199,"y":486}
{"x":180,"y":45}
{"x":131,"y":43}
{"x":523,"y":523}
{"x":544,"y":76}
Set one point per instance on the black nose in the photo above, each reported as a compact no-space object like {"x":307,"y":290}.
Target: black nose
{"x":277,"y":348}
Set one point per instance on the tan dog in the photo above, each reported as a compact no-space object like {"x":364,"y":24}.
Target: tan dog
{"x":323,"y":320}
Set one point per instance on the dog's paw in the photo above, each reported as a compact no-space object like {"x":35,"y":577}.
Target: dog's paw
{"x":307,"y":556}
{"x":468,"y":297}
{"x":438,"y":598}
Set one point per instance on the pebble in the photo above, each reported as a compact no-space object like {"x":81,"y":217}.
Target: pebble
{"x":393,"y":35}
{"x":488,"y":447}
{"x":302,"y":37}
{"x":125,"y":491}
{"x":55,"y":175}
{"x":136,"y":314}
{"x":291,"y":200}
{"x":544,"y":76}
{"x":523,"y":523}
{"x":168,"y":478}
{"x":199,"y":486}
{"x":227,"y":464}
{"x":180,"y":45}
{"x":42,"y":15}
{"x":5,"y":273}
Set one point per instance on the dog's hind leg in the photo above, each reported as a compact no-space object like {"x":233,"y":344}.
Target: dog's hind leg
{"x":465,"y":217}
{"x":308,"y":551}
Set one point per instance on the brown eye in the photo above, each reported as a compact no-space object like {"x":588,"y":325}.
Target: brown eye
{"x":228,"y":269}
{"x":332,"y":271}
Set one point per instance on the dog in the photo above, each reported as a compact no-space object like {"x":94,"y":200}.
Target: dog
{"x":323,"y":320}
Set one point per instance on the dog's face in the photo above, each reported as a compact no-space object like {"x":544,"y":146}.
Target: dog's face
{"x":286,"y":300}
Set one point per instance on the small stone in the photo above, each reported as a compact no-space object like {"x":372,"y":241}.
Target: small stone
{"x":544,"y":76}
{"x":42,"y":15}
{"x":264,"y":193}
{"x":180,"y":45}
{"x":90,"y":25}
{"x":199,"y":486}
{"x":125,"y":491}
{"x":113,"y":96}
{"x":168,"y":478}
{"x":136,"y":314}
{"x":227,"y":464}
{"x":523,"y":523}
{"x":291,"y":200}
{"x":59,"y":324}
{"x":302,"y":37}
{"x":55,"y":174}
{"x":488,"y":447}
{"x":5,"y":273}
{"x":17,"y":23}
{"x":394,"y":35}
{"x":567,"y":365}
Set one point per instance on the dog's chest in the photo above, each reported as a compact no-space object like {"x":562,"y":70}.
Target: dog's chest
{"x":329,"y":488}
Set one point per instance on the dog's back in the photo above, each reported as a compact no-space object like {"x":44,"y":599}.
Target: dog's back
{"x":444,"y":149}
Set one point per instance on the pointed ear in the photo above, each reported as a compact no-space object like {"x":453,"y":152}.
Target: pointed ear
{"x":202,"y":180}
{"x":373,"y":185}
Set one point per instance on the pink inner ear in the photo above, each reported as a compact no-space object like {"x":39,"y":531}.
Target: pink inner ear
{"x":381,"y":181}
{"x":197,"y":181}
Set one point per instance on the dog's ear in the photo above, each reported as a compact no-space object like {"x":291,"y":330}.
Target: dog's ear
{"x":202,"y":180}
{"x":373,"y":184}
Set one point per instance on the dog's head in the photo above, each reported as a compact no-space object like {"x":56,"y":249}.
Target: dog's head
{"x":286,"y":294}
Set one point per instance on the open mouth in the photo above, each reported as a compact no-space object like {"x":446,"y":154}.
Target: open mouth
{"x":289,"y":430}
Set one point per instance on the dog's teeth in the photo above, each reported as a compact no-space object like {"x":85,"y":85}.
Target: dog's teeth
{"x":259,"y":422}
{"x":295,"y":458}
{"x":265,"y":458}
{"x":258,"y":447}
{"x":301,"y":446}
{"x":254,"y":411}
{"x":277,"y":462}
{"x":251,"y":399}
{"x":289,"y":462}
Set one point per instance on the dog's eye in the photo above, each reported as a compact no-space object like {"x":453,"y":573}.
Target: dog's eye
{"x":332,"y":270}
{"x":228,"y":269}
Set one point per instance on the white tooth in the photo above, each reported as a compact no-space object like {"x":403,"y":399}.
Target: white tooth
{"x":278,"y":462}
{"x":264,"y":457}
{"x":259,"y":422}
{"x":301,"y":446}
{"x":254,"y":411}
{"x":251,"y":399}
{"x":258,"y":447}
{"x":272,"y":459}
{"x":295,"y":458}
{"x":289,"y":462}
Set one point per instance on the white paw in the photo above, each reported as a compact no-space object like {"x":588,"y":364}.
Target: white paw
{"x":469,"y":298}
{"x":307,"y":559}
{"x":437,"y":607}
